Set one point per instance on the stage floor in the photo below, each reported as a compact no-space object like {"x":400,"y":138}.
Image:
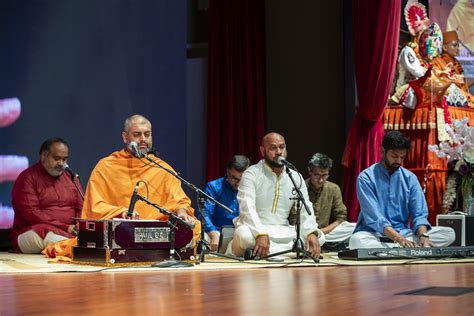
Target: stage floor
{"x":36,"y":263}
{"x":220,"y":288}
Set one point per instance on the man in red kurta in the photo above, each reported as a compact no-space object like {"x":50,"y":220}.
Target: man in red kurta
{"x":45,"y":200}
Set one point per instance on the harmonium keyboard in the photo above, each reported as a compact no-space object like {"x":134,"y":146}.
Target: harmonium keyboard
{"x":121,"y":241}
{"x":407,"y":253}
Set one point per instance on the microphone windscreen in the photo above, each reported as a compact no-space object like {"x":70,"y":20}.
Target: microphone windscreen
{"x":133,"y":146}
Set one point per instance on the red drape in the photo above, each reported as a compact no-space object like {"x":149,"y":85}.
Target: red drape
{"x":236,"y":93}
{"x":376,"y":27}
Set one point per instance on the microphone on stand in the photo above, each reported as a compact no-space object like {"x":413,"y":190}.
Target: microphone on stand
{"x":71,"y":172}
{"x":133,"y":200}
{"x":74,"y":175}
{"x":133,"y":146}
{"x":282,"y":161}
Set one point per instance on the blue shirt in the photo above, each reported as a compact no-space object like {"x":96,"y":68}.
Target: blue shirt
{"x":390,"y":200}
{"x":215,"y":216}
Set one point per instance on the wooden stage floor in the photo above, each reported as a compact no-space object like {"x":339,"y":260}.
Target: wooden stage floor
{"x":333,"y":290}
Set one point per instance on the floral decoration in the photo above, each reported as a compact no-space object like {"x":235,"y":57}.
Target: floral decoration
{"x":459,"y":152}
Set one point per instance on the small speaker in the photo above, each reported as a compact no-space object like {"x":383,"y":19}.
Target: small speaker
{"x":463,"y":226}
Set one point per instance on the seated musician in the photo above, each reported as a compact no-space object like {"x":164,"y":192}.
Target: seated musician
{"x":113,"y":179}
{"x":393,"y":210}
{"x":224,"y":190}
{"x":45,"y":200}
{"x":329,"y":209}
{"x":266,"y":196}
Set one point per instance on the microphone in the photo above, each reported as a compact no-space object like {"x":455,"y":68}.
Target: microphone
{"x":133,"y":146}
{"x":133,"y":200}
{"x":71,"y":172}
{"x":282,"y":161}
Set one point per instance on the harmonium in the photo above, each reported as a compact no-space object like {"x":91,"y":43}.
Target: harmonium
{"x":127,"y":242}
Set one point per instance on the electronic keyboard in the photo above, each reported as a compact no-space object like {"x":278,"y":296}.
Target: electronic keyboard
{"x":407,"y":253}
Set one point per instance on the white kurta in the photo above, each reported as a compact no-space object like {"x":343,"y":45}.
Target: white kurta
{"x":265,"y":201}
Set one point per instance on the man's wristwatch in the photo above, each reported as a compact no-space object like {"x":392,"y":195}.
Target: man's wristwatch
{"x":424,"y":235}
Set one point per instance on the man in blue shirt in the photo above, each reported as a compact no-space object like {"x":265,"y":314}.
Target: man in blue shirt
{"x":391,"y":199}
{"x":224,"y":190}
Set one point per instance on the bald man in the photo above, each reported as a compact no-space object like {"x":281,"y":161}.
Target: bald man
{"x":113,"y":179}
{"x":265,"y":198}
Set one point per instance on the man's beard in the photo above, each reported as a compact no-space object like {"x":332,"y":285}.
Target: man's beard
{"x":272,"y":163}
{"x":56,"y":171}
{"x":145,"y":151}
{"x":391,"y":168}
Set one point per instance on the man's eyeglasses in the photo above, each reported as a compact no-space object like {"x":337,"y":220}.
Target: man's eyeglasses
{"x":233,"y":178}
{"x":321,"y":176}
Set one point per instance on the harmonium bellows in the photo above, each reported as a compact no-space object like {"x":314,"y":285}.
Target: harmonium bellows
{"x":120,"y":241}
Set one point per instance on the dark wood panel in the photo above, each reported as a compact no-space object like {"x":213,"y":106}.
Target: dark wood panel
{"x":366,"y":290}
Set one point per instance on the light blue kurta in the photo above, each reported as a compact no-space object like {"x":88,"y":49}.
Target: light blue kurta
{"x":390,"y":200}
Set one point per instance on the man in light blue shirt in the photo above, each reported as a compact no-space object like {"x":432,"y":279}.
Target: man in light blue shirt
{"x":393,"y":210}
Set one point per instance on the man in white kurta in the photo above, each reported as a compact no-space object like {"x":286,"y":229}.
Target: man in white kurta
{"x":266,"y":196}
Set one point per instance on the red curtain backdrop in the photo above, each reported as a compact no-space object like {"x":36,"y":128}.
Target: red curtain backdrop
{"x":236,"y":93}
{"x":376,"y":27}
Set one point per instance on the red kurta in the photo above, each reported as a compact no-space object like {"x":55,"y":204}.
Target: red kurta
{"x":43,"y":203}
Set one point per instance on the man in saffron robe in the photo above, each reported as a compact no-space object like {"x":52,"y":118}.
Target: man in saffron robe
{"x":113,"y":179}
{"x":45,"y":201}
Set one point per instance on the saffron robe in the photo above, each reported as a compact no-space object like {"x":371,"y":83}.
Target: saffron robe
{"x":112,"y":182}
{"x":110,"y":188}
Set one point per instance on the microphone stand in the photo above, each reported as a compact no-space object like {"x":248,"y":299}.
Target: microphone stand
{"x":298,"y":245}
{"x":73,"y":179}
{"x":202,"y":196}
{"x":202,"y":243}
{"x":173,"y":219}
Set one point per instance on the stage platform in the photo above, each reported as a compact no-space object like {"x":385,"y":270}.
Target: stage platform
{"x":37,"y":263}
